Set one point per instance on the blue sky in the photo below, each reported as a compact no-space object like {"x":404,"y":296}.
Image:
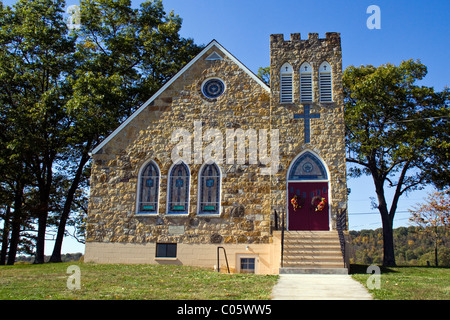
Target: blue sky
{"x":409,"y":30}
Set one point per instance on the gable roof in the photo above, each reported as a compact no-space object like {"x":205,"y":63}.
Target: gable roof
{"x":212,"y":44}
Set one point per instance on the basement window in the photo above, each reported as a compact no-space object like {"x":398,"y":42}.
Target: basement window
{"x":247,"y":265}
{"x":166,"y":250}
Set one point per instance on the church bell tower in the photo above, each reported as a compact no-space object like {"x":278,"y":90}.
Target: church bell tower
{"x":308,"y":109}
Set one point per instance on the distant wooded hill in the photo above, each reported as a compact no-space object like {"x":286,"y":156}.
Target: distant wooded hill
{"x":64,"y":257}
{"x":412,"y":247}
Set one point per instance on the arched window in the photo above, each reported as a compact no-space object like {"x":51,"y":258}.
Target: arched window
{"x":325,"y":88}
{"x":148,"y":191}
{"x":306,"y":88}
{"x":178,"y":189}
{"x":286,"y":87}
{"x":307,"y":167}
{"x":209,"y":189}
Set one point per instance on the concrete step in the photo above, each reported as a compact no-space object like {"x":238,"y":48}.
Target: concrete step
{"x":313,"y":270}
{"x":312,"y":252}
{"x":318,"y":258}
{"x":312,"y":246}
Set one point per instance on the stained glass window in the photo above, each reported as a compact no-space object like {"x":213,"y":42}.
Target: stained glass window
{"x":307,"y":167}
{"x":149,"y":189}
{"x":179,"y":179}
{"x":209,"y":202}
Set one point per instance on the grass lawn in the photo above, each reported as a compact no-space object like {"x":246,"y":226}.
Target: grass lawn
{"x":408,"y":283}
{"x":98,"y":281}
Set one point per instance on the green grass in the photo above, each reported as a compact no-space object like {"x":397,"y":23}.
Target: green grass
{"x":408,"y":283}
{"x":101,"y":281}
{"x":165,"y":282}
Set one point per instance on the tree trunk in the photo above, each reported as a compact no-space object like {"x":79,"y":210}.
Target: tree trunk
{"x":40,"y":242}
{"x":14,"y":242}
{"x":45,"y":184}
{"x":5,"y":236}
{"x":386,"y":219}
{"x":436,"y":255}
{"x":56,"y":254}
{"x":436,"y":246}
{"x":388,"y":242}
{"x":15,"y":225}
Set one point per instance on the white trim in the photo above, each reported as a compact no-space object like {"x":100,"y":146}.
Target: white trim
{"x":310,"y":85}
{"x":144,"y":165}
{"x":174,"y":214}
{"x":330,"y":199}
{"x":213,"y":43}
{"x":198,"y":192}
{"x":329,"y":73}
{"x":286,"y":83}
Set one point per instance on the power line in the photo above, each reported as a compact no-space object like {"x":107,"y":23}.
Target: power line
{"x":366,"y":213}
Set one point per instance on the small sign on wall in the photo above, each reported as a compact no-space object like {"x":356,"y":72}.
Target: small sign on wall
{"x":176,"y":230}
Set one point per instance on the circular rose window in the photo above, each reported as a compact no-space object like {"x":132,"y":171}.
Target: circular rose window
{"x":213,"y":88}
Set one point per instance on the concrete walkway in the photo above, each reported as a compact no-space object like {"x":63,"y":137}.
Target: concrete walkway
{"x":319,"y":287}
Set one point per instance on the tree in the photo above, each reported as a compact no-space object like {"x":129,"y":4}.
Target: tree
{"x":123,"y":56}
{"x":264,"y":74}
{"x":62,"y":92}
{"x":432,"y":215}
{"x":35,"y":56}
{"x":391,"y":126}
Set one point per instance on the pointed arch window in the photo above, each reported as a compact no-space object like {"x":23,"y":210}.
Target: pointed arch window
{"x":306,"y":88}
{"x":325,"y":85}
{"x":307,"y":167}
{"x":148,"y":193}
{"x":286,"y":86}
{"x":178,"y":189}
{"x":209,"y":189}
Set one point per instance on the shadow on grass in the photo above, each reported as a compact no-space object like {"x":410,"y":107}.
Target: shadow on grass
{"x":362,"y":269}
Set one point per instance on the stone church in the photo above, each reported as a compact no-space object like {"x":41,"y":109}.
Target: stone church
{"x":219,"y":170}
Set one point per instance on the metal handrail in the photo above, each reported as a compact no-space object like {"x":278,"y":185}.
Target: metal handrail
{"x":282,"y":237}
{"x":218,"y":259}
{"x":341,"y":223}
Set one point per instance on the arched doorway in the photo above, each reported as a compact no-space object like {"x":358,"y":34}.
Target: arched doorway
{"x":308,"y":193}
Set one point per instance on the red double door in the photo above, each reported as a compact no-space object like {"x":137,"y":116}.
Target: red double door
{"x":310,"y":209}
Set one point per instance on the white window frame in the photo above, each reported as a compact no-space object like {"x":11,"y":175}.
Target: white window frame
{"x":139,"y":189}
{"x":186,"y":212}
{"x":240,"y":256}
{"x":325,"y":78}
{"x":199,"y":200}
{"x":286,"y":76}
{"x":306,"y":76}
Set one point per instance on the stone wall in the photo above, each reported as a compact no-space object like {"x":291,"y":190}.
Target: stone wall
{"x":327,"y":132}
{"x":245,"y":201}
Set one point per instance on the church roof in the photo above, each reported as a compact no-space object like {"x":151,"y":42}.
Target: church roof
{"x":212,"y":44}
